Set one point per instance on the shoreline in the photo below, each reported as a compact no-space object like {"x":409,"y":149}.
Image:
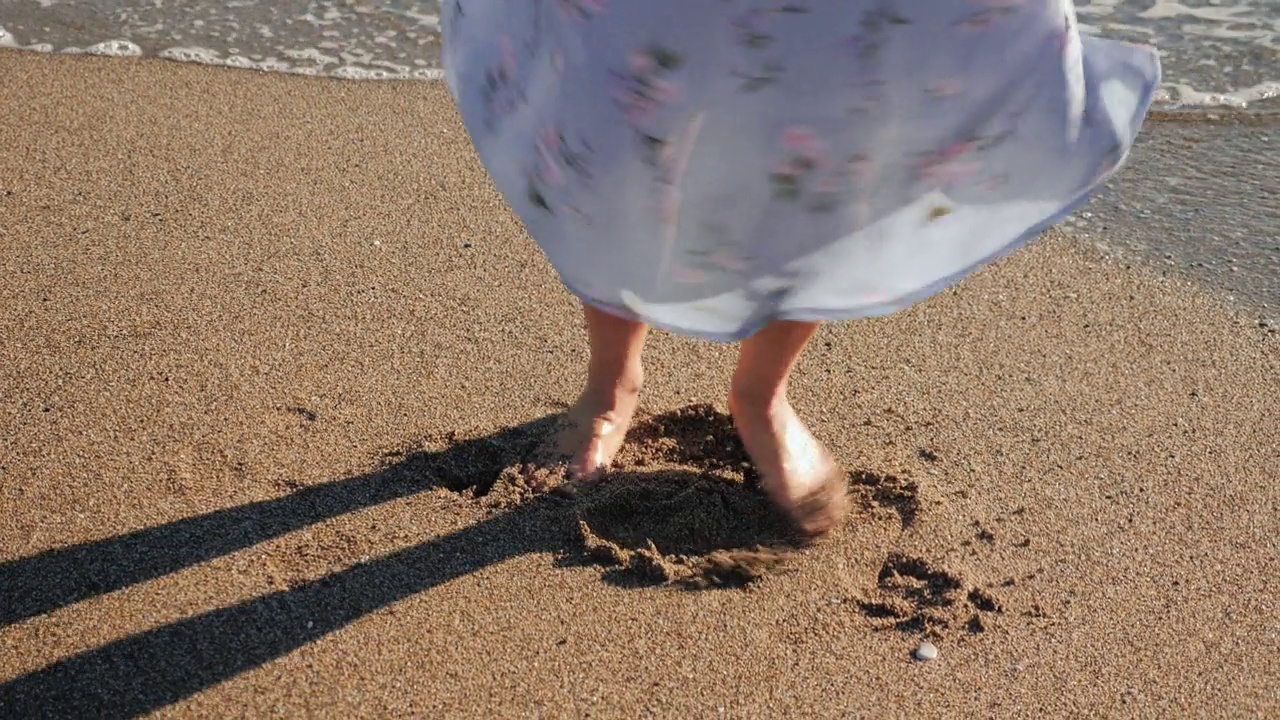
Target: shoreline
{"x":270,"y":344}
{"x":1263,"y":111}
{"x":354,"y":41}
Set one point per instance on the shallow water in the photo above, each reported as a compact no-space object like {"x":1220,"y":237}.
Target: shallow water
{"x":1215,"y":52}
{"x":373,"y":39}
{"x":1199,"y":199}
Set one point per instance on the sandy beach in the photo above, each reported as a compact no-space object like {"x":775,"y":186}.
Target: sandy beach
{"x":269,"y":343}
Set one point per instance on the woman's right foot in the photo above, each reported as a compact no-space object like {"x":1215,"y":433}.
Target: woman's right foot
{"x":796,"y":471}
{"x":589,"y":435}
{"x":593,"y":432}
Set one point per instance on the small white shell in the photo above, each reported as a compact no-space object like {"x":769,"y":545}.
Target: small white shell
{"x":927,"y":651}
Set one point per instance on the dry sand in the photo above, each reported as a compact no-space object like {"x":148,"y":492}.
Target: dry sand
{"x":269,"y":342}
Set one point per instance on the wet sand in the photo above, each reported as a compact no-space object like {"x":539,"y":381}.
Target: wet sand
{"x":1200,"y":198}
{"x":270,"y":344}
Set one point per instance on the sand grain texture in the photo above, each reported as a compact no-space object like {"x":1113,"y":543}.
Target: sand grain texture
{"x":269,"y":343}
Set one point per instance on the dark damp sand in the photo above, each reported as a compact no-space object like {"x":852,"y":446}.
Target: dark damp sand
{"x":1200,"y":197}
{"x":270,"y":342}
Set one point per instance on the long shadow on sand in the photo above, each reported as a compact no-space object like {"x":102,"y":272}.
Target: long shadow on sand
{"x":38,"y":584}
{"x":152,"y":669}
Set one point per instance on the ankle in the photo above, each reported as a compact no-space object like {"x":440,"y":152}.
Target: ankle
{"x":628,"y":384}
{"x":752,"y":400}
{"x":615,"y":391}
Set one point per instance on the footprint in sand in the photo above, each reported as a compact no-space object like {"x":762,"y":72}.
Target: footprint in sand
{"x":682,"y":506}
{"x":914,"y":596}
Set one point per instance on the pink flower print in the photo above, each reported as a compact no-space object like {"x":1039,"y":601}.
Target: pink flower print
{"x":550,"y":138}
{"x":642,"y":62}
{"x":501,"y":91}
{"x":949,"y":87}
{"x":664,"y":91}
{"x":950,"y":166}
{"x":799,"y":173}
{"x":948,"y":172}
{"x":729,"y":261}
{"x":862,"y":47}
{"x":507,"y":52}
{"x":800,"y":139}
{"x":629,"y":95}
{"x":805,"y":151}
{"x":983,"y":19}
{"x":687,"y":275}
{"x":747,"y":26}
{"x":787,"y":168}
{"x":548,"y":147}
{"x":994,"y":183}
{"x":640,"y":109}
{"x":828,"y":185}
{"x":555,"y":163}
{"x":960,"y":149}
{"x":643,"y":90}
{"x":580,"y":9}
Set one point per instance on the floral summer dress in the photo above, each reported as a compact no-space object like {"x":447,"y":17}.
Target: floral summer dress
{"x":708,"y":166}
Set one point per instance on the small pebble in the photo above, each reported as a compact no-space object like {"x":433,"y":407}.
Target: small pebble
{"x":927,"y":651}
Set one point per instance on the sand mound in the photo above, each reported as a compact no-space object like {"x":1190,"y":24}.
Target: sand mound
{"x":694,"y":436}
{"x":681,"y":506}
{"x":674,"y":526}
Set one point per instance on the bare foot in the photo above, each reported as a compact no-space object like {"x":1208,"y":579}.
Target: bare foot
{"x":589,"y":435}
{"x":594,"y":431}
{"x":796,"y":471}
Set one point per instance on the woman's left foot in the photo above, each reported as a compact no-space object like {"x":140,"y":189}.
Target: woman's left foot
{"x":796,"y":471}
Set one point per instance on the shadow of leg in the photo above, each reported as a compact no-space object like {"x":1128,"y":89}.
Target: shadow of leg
{"x":34,"y":585}
{"x":149,"y":670}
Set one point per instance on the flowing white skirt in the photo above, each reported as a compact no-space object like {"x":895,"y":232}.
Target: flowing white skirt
{"x":710,"y":166}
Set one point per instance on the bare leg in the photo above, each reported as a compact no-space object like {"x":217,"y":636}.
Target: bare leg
{"x":597,"y":424}
{"x":795,"y":470}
